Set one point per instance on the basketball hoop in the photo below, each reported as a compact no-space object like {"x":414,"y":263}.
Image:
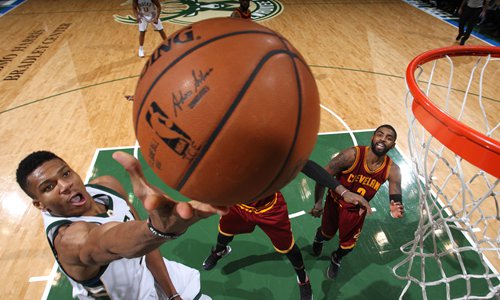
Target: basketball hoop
{"x":455,"y":152}
{"x":461,"y":139}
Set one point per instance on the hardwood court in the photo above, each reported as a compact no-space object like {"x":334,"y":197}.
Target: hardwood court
{"x":66,"y":67}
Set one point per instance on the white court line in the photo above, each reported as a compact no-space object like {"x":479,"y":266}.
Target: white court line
{"x":50,"y":279}
{"x":301,"y":213}
{"x":297,"y":214}
{"x":38,"y":278}
{"x":136,"y":149}
{"x":354,"y":141}
{"x":91,"y":167}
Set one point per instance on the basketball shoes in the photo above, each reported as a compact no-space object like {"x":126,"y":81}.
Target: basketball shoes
{"x":317,"y":247}
{"x":305,"y":290}
{"x":141,"y":52}
{"x":211,"y":261}
{"x":333,"y":269}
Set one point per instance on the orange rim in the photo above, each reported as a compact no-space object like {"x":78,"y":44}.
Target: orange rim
{"x":475,"y":147}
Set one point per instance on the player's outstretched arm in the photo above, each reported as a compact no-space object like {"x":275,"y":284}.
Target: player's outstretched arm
{"x":395,"y":192}
{"x":88,"y":244}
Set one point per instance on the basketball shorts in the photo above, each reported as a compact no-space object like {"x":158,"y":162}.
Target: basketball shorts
{"x":186,"y":281}
{"x":143,"y":24}
{"x":273,"y":221}
{"x":346,"y":221}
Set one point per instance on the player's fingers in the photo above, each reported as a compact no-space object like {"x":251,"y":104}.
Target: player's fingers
{"x":184,"y":210}
{"x":204,"y":210}
{"x":316,"y":213}
{"x":221,"y":210}
{"x":366,"y":206}
{"x":133,"y":167}
{"x":152,"y":202}
{"x":129,"y":163}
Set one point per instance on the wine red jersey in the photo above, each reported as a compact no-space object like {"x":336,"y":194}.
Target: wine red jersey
{"x":359,"y":179}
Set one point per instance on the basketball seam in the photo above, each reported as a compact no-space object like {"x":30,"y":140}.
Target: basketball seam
{"x":233,"y":107}
{"x":297,"y":127}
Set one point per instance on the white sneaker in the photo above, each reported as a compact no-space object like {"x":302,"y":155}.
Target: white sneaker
{"x":141,"y":52}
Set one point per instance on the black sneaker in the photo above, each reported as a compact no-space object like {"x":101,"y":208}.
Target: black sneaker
{"x":306,"y":292}
{"x":459,"y":36}
{"x":317,"y":248}
{"x":462,"y":41}
{"x":333,"y":269}
{"x":214,"y":257}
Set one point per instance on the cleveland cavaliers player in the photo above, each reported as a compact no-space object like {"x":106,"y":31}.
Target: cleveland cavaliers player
{"x":243,"y":11}
{"x":362,"y":170}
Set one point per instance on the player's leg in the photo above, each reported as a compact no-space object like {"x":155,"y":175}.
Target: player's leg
{"x":229,"y":225}
{"x":276,"y":225}
{"x":350,"y":225}
{"x":142,"y":33}
{"x":163,"y":34}
{"x":461,"y":25}
{"x":328,"y":228}
{"x":472,"y":19}
{"x":159,"y":27}
{"x":295,"y":258}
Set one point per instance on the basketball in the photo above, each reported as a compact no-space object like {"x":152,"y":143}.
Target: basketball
{"x":226,"y":111}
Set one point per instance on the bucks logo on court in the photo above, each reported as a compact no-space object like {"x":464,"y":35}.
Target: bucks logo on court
{"x":186,"y":12}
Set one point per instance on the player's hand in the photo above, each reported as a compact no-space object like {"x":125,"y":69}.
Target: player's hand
{"x":166,"y":214}
{"x":357,"y":199}
{"x":316,"y":212}
{"x":397,"y":209}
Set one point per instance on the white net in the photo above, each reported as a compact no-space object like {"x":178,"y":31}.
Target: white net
{"x":456,"y":248}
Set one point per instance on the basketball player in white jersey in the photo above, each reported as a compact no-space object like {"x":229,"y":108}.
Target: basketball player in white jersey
{"x":96,"y":237}
{"x":147,"y":12}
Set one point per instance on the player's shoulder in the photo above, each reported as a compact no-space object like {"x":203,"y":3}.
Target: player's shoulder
{"x":349,"y":153}
{"x":395,"y":170}
{"x":343,"y":160}
{"x":394,"y":164}
{"x":72,"y":235}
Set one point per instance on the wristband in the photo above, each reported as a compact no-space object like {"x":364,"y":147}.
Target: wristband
{"x":161,"y":234}
{"x":342,"y":194}
{"x":396,"y":197}
{"x":174,"y":296}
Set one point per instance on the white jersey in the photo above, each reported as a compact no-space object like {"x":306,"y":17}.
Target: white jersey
{"x":147,"y":9}
{"x":475,"y":3}
{"x":123,"y":278}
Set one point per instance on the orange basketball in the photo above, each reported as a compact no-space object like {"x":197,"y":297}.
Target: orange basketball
{"x":226,"y":111}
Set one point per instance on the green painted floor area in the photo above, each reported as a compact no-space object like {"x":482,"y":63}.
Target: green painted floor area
{"x":255,"y":271}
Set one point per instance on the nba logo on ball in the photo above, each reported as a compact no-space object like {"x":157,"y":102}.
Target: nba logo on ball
{"x":226,"y":111}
